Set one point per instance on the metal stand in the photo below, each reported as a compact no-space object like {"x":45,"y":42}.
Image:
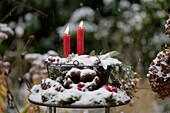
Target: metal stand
{"x":107,"y":109}
{"x":52,"y":107}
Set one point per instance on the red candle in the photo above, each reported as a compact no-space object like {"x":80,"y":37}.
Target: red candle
{"x":66,"y":43}
{"x":80,"y":39}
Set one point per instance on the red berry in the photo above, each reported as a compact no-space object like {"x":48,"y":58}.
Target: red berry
{"x":79,"y":88}
{"x":88,"y":56}
{"x":114,"y":89}
{"x":82,"y":85}
{"x":79,"y":85}
{"x":107,"y":88}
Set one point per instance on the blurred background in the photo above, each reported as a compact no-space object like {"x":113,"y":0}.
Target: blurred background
{"x":135,"y":28}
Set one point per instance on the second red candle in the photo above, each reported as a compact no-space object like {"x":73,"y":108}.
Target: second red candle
{"x":80,"y":40}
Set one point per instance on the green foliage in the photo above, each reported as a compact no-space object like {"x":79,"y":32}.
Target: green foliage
{"x":44,"y":98}
{"x":54,"y":73}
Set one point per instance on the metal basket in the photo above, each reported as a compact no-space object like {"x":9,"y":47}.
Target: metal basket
{"x":57,"y":69}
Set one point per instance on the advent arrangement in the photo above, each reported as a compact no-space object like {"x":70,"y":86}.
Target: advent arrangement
{"x":78,"y":79}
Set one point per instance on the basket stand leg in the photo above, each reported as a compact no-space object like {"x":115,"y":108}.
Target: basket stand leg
{"x":50,"y":109}
{"x":54,"y":109}
{"x":107,"y":109}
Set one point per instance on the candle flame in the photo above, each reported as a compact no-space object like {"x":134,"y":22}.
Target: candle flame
{"x":81,"y":24}
{"x":67,"y":30}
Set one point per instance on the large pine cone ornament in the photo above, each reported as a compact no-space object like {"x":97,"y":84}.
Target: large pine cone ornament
{"x":159,"y":73}
{"x":167,"y":27}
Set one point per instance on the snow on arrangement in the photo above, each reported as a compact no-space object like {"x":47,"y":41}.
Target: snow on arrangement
{"x":85,"y":82}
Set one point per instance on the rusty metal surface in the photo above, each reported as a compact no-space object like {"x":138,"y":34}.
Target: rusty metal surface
{"x":77,"y":106}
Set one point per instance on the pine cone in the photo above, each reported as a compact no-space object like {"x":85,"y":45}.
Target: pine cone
{"x":159,"y":73}
{"x":167,"y":27}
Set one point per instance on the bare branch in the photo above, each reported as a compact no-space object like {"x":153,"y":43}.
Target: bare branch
{"x":32,"y":8}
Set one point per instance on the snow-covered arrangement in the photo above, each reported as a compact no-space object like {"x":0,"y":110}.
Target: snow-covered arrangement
{"x":86,"y":80}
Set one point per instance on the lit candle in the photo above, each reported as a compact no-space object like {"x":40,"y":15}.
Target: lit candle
{"x":66,"y":42}
{"x":80,"y":39}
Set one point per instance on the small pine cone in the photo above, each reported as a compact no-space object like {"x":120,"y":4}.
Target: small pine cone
{"x":70,"y":87}
{"x":58,"y":89}
{"x":83,"y":78}
{"x":69,"y":82}
{"x":68,"y":76}
{"x":90,"y":88}
{"x":97,"y":80}
{"x":73,"y":74}
{"x":88,"y":75}
{"x":93,"y":75}
{"x":51,"y":59}
{"x":78,"y":74}
{"x":167,"y":27}
{"x":94,"y":85}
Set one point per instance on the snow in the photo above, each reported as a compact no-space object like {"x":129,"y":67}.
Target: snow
{"x":124,"y":4}
{"x":19,"y":31}
{"x":3,"y":25}
{"x":167,"y":25}
{"x":136,"y":7}
{"x":82,"y":72}
{"x":3,"y":36}
{"x":158,"y":69}
{"x":107,"y":2}
{"x":7,"y":30}
{"x":82,"y":12}
{"x":106,"y":60}
{"x":85,"y":98}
